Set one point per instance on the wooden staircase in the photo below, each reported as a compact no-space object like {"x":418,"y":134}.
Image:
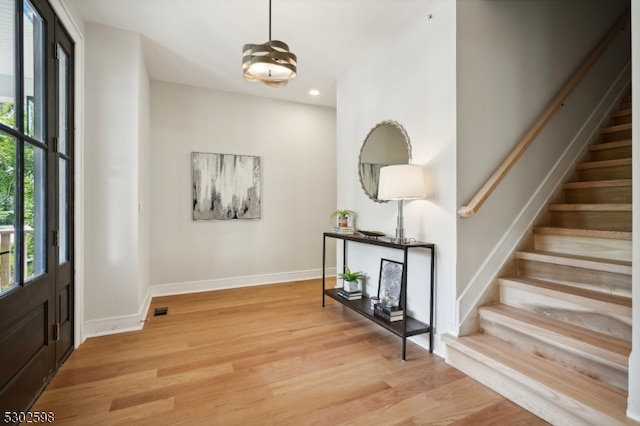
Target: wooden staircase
{"x":558,"y":341}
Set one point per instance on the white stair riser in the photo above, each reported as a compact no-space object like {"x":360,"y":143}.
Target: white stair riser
{"x":610,"y":154}
{"x":542,"y":402}
{"x":601,"y":281}
{"x":619,"y":194}
{"x":569,"y":311}
{"x":604,"y":173}
{"x":598,"y":220}
{"x":547,"y":345}
{"x":616,"y":136}
{"x":604,"y":248}
{"x":621,"y":119}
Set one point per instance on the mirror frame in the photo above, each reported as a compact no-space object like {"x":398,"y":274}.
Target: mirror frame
{"x":403,"y":133}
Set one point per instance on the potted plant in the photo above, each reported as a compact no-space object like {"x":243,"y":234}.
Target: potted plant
{"x":351,"y":279}
{"x":343,"y":217}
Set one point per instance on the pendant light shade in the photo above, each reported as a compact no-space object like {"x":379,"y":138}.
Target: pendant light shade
{"x":270,"y":63}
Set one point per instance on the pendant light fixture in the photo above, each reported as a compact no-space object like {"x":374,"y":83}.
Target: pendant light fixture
{"x":270,"y":63}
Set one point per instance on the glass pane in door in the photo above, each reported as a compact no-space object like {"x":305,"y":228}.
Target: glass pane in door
{"x":33,"y":72}
{"x":7,"y":212}
{"x":7,"y":64}
{"x":63,"y":102}
{"x":34,"y":211}
{"x":63,"y":163}
{"x":63,"y":213}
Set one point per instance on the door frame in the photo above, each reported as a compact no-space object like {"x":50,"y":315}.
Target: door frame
{"x":69,"y":21}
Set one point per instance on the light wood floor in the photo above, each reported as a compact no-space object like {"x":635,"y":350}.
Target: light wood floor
{"x":265,"y":355}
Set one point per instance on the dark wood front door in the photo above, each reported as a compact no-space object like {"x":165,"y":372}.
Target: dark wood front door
{"x":63,"y":199}
{"x":36,"y":255}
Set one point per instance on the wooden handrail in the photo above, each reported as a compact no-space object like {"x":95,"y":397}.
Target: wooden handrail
{"x":481,"y":196}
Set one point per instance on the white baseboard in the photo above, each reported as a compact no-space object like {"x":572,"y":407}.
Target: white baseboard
{"x":422,"y":340}
{"x":135,"y":322}
{"x":170,"y":289}
{"x":119,"y":324}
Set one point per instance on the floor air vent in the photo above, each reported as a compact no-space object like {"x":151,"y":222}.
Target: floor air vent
{"x":160,"y":311}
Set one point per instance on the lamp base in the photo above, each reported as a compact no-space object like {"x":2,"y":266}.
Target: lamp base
{"x":401,"y":240}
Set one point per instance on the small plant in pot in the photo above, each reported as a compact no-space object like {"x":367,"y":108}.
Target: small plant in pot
{"x":350,"y":279}
{"x":344,"y":216}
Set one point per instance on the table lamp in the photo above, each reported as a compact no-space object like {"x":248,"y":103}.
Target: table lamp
{"x":401,"y":182}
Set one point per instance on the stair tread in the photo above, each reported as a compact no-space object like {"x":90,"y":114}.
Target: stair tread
{"x":591,"y":233}
{"x":614,"y":349}
{"x":542,"y":375}
{"x":603,"y":163}
{"x":598,"y":184}
{"x":610,"y":145}
{"x":610,"y":302}
{"x":616,"y":128}
{"x":620,"y":207}
{"x":585,"y":262}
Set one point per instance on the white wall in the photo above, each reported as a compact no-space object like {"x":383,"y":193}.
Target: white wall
{"x":512,"y":58}
{"x":144,"y":183}
{"x":115,"y":95}
{"x":297,"y":146}
{"x":413,"y":83}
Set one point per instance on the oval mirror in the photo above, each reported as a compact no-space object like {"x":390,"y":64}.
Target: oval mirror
{"x":386,"y":144}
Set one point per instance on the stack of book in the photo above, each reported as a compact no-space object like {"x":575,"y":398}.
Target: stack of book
{"x":350,"y":295}
{"x":344,"y":230}
{"x":387,"y":313}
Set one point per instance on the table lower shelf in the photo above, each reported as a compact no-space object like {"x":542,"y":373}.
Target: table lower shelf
{"x":363,"y":307}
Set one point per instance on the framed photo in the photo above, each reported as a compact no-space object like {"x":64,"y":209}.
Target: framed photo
{"x":390,"y":282}
{"x":226,"y":186}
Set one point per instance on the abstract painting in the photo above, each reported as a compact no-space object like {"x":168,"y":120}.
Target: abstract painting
{"x":226,"y":186}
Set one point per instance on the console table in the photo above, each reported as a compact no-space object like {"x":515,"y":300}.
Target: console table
{"x":408,"y":326}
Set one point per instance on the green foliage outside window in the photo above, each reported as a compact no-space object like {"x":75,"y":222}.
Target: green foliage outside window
{"x":7,"y":167}
{"x":8,"y":186}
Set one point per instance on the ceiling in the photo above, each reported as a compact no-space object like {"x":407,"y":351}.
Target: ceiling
{"x":199,"y":42}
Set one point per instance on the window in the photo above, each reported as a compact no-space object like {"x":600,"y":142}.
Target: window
{"x":23,"y":132}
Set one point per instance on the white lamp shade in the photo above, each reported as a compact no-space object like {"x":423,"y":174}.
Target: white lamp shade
{"x":401,"y":182}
